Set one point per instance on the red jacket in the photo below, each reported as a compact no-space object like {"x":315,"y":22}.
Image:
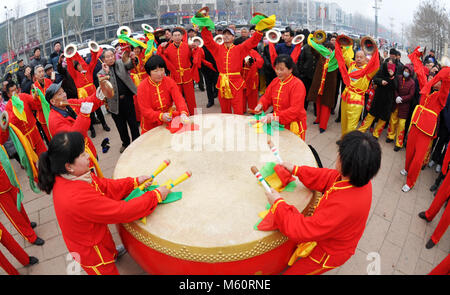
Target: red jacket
{"x":180,"y":59}
{"x":28,"y":128}
{"x":60,"y":121}
{"x":155,"y":99}
{"x":84,"y":81}
{"x":250,"y":74}
{"x":338,"y":221}
{"x":84,"y":210}
{"x":288,"y":100}
{"x":229,"y":61}
{"x":40,"y":115}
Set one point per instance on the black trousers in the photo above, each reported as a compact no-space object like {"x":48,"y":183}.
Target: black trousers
{"x":100,"y":117}
{"x":126,"y":119}
{"x":443,"y":137}
{"x":210,"y":81}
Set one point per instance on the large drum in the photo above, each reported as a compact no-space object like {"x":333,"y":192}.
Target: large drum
{"x":211,"y":229}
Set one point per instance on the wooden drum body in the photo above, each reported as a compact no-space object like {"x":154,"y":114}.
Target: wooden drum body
{"x":211,"y":229}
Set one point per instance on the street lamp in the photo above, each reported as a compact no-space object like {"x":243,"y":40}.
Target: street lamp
{"x":376,"y":17}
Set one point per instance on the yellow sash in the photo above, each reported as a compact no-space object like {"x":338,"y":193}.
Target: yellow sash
{"x":31,"y":154}
{"x":93,"y":159}
{"x":82,"y":92}
{"x":225,"y":84}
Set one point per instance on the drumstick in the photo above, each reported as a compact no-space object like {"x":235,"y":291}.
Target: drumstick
{"x":158,"y":170}
{"x":274,"y":150}
{"x":171,"y":184}
{"x":64,"y":104}
{"x":261,"y":179}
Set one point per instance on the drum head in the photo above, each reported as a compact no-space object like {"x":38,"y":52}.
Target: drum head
{"x":222,"y":199}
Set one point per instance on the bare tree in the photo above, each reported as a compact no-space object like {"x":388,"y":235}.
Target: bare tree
{"x":430,"y":26}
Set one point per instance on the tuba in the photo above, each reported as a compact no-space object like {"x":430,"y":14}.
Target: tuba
{"x":70,"y":50}
{"x":273,"y":35}
{"x":147,"y":28}
{"x":343,"y":40}
{"x":4,"y":120}
{"x":319,"y":36}
{"x":219,"y":39}
{"x":194,"y":39}
{"x":368,"y":45}
{"x":93,"y":46}
{"x":123,"y":28}
{"x":298,"y":39}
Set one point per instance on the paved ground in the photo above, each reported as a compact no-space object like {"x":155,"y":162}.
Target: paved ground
{"x":393,"y":230}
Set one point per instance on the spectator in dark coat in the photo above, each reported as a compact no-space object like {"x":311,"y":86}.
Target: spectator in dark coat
{"x":27,"y":80}
{"x":403,"y":95}
{"x":21,"y":72}
{"x":306,"y":65}
{"x":386,"y":84}
{"x":37,"y":59}
{"x":54,"y":57}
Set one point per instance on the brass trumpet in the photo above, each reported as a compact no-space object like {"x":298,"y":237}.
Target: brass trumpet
{"x":93,"y":46}
{"x":70,"y":50}
{"x":298,"y":39}
{"x":368,"y":45}
{"x":123,"y":28}
{"x":147,"y":28}
{"x":194,"y":39}
{"x":343,"y":40}
{"x":219,"y":39}
{"x":319,"y":36}
{"x":273,"y":35}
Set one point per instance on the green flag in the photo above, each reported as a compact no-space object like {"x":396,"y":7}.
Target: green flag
{"x":172,"y":197}
{"x":45,"y":107}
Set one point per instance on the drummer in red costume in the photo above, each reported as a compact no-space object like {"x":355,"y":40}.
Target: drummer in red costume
{"x":156,"y":96}
{"x":138,"y":74}
{"x":177,"y":55}
{"x":229,"y":59}
{"x":424,"y":119}
{"x":332,"y":233}
{"x":76,"y":117}
{"x":42,"y":83}
{"x":85,"y":204}
{"x":25,"y":121}
{"x":287,"y":95}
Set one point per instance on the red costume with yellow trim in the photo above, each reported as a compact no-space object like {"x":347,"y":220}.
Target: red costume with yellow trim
{"x":8,"y":201}
{"x":84,"y":210}
{"x":28,"y":127}
{"x":424,"y":119}
{"x":336,"y":226}
{"x":287,"y":98}
{"x":251,"y":77}
{"x":63,"y":122}
{"x":40,"y":114}
{"x":229,"y":64}
{"x":180,"y":59}
{"x":84,"y":81}
{"x":7,"y":240}
{"x":154,"y":99}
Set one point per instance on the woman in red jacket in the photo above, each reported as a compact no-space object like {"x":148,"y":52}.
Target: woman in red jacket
{"x":156,"y":96}
{"x":85,"y":204}
{"x":287,"y":95}
{"x":333,"y":231}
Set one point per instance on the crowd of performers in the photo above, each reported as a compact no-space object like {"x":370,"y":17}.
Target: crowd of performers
{"x":153,"y":82}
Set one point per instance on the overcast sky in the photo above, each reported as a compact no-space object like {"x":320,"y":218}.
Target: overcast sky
{"x":401,"y":10}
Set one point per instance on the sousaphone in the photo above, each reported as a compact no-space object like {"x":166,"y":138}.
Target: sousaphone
{"x":196,"y":39}
{"x":344,"y":40}
{"x":124,"y":30}
{"x":4,"y":120}
{"x":93,"y":46}
{"x":147,"y":28}
{"x":202,"y":12}
{"x":219,"y":39}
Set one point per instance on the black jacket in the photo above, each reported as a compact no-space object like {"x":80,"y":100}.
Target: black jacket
{"x":384,"y":94}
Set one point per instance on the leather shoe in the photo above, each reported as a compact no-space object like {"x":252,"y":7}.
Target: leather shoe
{"x":33,"y":224}
{"x":39,"y":242}
{"x":106,"y":128}
{"x":388,"y":140}
{"x":430,"y":244}
{"x":210,"y":104}
{"x":433,"y":187}
{"x":122,"y":149}
{"x":397,"y":148}
{"x":423,"y":216}
{"x":321,"y":130}
{"x":33,"y":260}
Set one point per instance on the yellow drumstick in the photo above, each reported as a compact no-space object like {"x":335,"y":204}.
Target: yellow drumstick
{"x":171,"y":184}
{"x":157,"y":171}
